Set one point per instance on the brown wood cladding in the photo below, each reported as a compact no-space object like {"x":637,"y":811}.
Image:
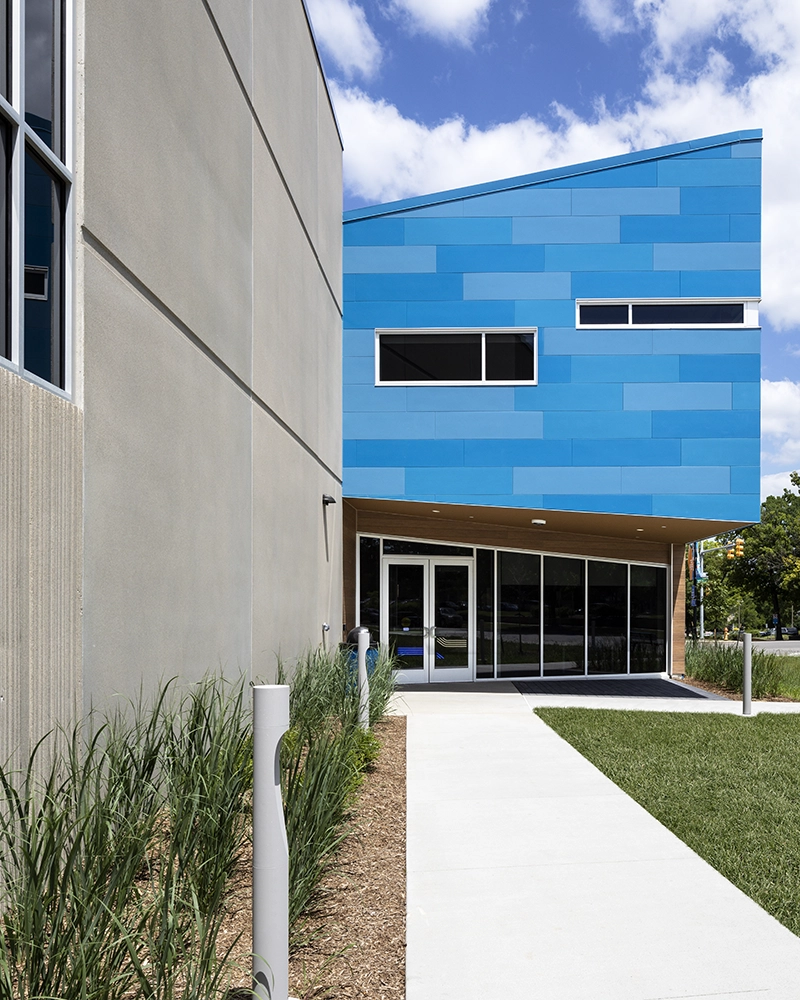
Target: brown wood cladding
{"x":678,"y":609}
{"x":349,"y":528}
{"x":500,"y":536}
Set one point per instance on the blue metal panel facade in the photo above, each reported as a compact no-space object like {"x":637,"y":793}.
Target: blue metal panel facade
{"x":636,"y":420}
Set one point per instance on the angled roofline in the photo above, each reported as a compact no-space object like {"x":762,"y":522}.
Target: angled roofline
{"x":557,"y":173}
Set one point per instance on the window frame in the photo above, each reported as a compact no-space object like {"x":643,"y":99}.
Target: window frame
{"x":749,"y":320}
{"x":23,"y":139}
{"x":483,"y":331}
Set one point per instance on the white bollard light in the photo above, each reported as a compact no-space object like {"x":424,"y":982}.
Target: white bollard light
{"x":270,"y":848}
{"x":363,"y":679}
{"x":747,"y":678}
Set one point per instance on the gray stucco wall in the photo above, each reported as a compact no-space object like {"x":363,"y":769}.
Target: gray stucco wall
{"x":209,"y":319}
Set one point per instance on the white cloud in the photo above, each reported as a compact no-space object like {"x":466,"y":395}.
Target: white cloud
{"x":341,"y":28}
{"x":448,"y":20}
{"x":605,"y":17}
{"x":780,"y":426}
{"x":773,"y":485}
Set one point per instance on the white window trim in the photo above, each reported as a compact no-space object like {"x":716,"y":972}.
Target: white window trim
{"x":483,"y":331}
{"x":23,"y":137}
{"x":750,"y":320}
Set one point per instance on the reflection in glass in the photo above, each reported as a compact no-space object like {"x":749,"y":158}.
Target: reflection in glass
{"x":369,"y":583}
{"x":43,"y":91}
{"x":607,"y":614}
{"x":509,"y":357}
{"x":398,"y":546}
{"x":563,"y":615}
{"x":5,"y":181}
{"x":450,"y":617}
{"x":518,"y":576}
{"x":484,"y":588}
{"x":43,"y":256}
{"x":430,"y":357}
{"x":406,"y":593}
{"x":648,"y":619}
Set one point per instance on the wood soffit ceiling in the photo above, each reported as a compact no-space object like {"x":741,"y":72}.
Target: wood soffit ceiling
{"x":675,"y":530}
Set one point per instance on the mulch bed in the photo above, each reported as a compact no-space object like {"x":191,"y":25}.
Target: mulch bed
{"x":353,"y":943}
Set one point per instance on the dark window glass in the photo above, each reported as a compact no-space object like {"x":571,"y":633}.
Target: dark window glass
{"x":5,"y":34}
{"x":518,"y":596}
{"x":648,"y":619}
{"x":607,"y":614}
{"x":687,"y":313}
{"x":43,"y":70}
{"x":369,"y":579}
{"x":430,"y":357}
{"x":394,"y":547}
{"x":604,"y":315}
{"x":44,"y":325}
{"x":563,"y":615}
{"x":450,"y":617}
{"x":406,"y":615}
{"x":484,"y":591}
{"x":509,"y":357}
{"x":5,"y":180}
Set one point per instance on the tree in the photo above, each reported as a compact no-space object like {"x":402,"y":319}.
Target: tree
{"x":770,"y":566}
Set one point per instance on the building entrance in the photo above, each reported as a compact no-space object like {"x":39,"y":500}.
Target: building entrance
{"x":427,"y":617}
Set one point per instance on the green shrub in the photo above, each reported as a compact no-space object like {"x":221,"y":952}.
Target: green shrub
{"x":724,"y":665}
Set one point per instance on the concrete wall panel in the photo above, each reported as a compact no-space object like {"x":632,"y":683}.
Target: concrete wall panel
{"x":168,"y":171}
{"x":168,"y":498}
{"x":297,"y":550}
{"x":296,"y":344}
{"x":285,"y":95}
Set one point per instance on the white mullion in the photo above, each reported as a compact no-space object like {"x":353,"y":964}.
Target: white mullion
{"x":483,"y":355}
{"x":541,"y":614}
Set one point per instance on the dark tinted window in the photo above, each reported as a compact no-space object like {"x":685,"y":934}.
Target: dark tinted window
{"x":484,"y":592}
{"x":518,"y":626}
{"x":430,"y":357}
{"x":648,"y":619}
{"x":687,"y":313}
{"x":604,"y":315}
{"x":396,"y":547}
{"x":43,"y":92}
{"x":44,"y":197}
{"x":607,"y":613}
{"x":369,"y":567}
{"x":564,"y":599}
{"x":509,"y":357}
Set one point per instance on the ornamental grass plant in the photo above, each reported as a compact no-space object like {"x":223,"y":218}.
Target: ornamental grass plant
{"x":119,"y":837}
{"x":723,"y":665}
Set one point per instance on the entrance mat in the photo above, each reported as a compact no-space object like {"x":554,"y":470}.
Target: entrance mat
{"x":652,"y":687}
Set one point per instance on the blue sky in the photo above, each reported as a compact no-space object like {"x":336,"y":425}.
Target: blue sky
{"x":434,"y":94}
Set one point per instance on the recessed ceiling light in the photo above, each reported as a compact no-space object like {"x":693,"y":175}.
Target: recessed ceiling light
{"x":640,"y":529}
{"x":435,"y":512}
{"x":538,"y":520}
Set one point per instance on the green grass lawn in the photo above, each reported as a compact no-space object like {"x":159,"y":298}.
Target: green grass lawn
{"x":727,"y":786}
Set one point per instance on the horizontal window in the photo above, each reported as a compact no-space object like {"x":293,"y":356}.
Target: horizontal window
{"x":456,"y":357}
{"x":667,"y":314}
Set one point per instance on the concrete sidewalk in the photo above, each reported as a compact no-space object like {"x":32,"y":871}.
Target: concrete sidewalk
{"x":532,"y":876}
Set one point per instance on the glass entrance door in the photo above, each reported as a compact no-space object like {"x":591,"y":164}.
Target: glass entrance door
{"x":427,"y":618}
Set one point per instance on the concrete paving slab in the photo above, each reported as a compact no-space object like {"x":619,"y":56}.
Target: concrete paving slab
{"x":531,"y":875}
